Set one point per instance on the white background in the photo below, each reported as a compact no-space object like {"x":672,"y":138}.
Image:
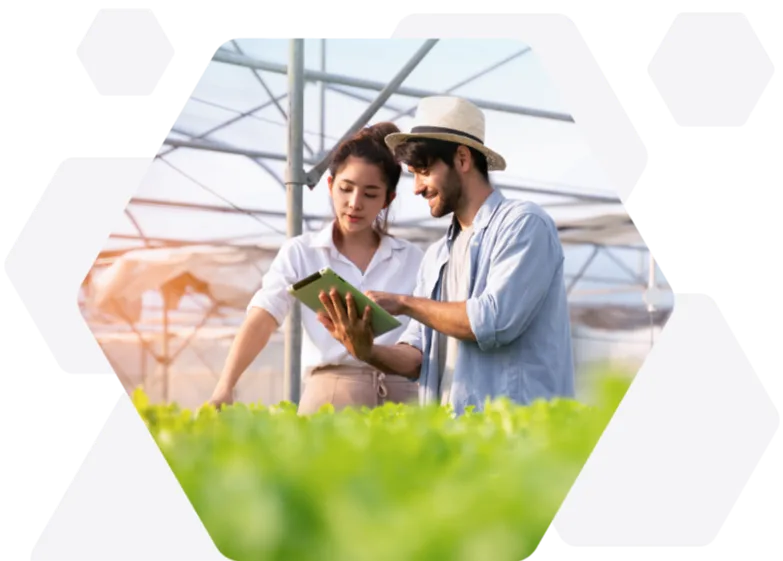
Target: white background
{"x":682,"y":450}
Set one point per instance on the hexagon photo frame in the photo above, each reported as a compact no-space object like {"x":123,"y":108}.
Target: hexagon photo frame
{"x":151,"y":320}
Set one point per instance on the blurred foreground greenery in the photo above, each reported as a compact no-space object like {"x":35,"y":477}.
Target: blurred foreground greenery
{"x":390,"y":484}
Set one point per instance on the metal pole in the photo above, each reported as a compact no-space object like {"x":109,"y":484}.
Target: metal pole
{"x":314,"y":176}
{"x":322,"y":94}
{"x":651,"y":296}
{"x":165,"y":349}
{"x":651,"y":272}
{"x":651,"y":291}
{"x":314,"y":75}
{"x":294,"y":180}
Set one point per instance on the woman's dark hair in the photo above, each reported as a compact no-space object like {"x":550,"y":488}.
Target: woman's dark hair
{"x":369,"y":145}
{"x":421,"y":153}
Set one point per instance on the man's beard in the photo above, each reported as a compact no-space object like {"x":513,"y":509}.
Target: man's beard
{"x":449,"y":195}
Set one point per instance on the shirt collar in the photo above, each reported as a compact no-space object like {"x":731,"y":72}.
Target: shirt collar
{"x":324,"y":239}
{"x":482,"y":217}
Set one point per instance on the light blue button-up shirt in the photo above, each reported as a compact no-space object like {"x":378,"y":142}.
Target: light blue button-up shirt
{"x":517,"y":307}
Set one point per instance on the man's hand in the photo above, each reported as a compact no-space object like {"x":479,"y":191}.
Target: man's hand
{"x":390,"y":302}
{"x":344,"y":324}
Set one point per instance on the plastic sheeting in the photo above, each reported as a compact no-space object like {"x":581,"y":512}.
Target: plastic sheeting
{"x":228,"y":275}
{"x":617,"y":318}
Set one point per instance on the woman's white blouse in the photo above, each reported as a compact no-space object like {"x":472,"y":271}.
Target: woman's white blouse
{"x":394,"y":268}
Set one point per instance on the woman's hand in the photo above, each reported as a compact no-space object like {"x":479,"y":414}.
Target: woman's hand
{"x":221,"y":397}
{"x":344,"y":324}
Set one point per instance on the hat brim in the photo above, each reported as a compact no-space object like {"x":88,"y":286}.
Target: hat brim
{"x":495,"y":162}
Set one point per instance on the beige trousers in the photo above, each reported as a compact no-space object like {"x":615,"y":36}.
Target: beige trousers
{"x":348,"y":386}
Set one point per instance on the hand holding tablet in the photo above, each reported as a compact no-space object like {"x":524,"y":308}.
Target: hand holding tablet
{"x":308,"y":289}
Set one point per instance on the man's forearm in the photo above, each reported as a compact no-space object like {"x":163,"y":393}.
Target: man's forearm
{"x":449,"y":318}
{"x":400,"y":359}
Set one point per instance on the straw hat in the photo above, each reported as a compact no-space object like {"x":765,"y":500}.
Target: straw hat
{"x":453,"y":119}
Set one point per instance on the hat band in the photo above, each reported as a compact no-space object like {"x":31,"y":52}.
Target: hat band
{"x":432,"y":129}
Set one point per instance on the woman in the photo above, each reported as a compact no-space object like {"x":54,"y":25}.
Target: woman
{"x":356,"y":245}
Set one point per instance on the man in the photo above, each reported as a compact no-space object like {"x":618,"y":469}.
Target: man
{"x":489,"y":316}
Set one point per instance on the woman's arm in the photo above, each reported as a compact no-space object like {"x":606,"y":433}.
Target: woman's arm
{"x":400,"y":359}
{"x":267,"y":310}
{"x":250,"y":340}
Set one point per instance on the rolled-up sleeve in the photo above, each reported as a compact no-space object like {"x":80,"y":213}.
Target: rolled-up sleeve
{"x":522,"y":269}
{"x":273,"y":295}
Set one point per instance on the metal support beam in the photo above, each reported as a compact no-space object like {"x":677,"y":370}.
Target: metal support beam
{"x":213,"y":192}
{"x":572,"y":194}
{"x":314,"y":176}
{"x":322,"y":101}
{"x":222,"y":147}
{"x":582,"y":270}
{"x":360,"y":97}
{"x":226,"y":146}
{"x":238,"y":117}
{"x":156,"y":242}
{"x":268,"y":91}
{"x":468,"y":80}
{"x":294,"y":179}
{"x":236,"y":111}
{"x":630,"y":272}
{"x":330,"y":78}
{"x":219,"y":146}
{"x":219,"y":208}
{"x":651,"y":294}
{"x":136,"y":225}
{"x":576,"y":195}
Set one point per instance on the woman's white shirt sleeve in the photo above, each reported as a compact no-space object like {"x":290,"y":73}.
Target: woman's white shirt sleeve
{"x":273,"y":295}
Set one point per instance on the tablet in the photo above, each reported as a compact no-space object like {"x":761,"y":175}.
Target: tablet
{"x":308,"y":289}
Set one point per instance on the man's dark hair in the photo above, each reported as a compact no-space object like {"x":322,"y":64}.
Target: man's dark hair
{"x":421,"y":153}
